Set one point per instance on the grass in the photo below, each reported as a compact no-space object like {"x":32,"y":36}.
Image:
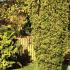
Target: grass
{"x":31,"y":66}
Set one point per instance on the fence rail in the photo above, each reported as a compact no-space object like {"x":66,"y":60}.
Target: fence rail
{"x":26,"y":43}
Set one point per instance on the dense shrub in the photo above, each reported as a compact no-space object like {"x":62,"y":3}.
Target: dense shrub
{"x":50,"y":28}
{"x":8,"y":46}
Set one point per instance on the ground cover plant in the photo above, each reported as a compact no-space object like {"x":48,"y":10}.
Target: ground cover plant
{"x":31,"y":66}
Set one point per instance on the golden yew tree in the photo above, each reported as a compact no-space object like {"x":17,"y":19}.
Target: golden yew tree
{"x":50,"y":32}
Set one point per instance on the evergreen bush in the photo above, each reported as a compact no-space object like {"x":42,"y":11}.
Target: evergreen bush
{"x":50,"y":32}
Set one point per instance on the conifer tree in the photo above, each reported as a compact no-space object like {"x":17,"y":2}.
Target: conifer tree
{"x":50,"y":30}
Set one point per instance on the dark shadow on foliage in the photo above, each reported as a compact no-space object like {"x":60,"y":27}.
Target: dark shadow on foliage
{"x":20,"y":60}
{"x":66,"y":62}
{"x":69,"y":18}
{"x":26,"y":28}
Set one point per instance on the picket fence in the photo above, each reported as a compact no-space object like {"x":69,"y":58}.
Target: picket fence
{"x":26,"y":43}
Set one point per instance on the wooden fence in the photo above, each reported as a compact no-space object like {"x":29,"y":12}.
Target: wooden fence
{"x":26,"y":43}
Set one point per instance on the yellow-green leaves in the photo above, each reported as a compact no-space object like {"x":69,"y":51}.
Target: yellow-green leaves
{"x":8,"y":46}
{"x":1,"y":47}
{"x":50,"y":32}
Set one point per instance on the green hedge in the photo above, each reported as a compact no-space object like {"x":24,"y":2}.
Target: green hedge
{"x":50,"y":28}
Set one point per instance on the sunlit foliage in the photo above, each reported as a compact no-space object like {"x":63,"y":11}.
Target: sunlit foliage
{"x":50,"y":32}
